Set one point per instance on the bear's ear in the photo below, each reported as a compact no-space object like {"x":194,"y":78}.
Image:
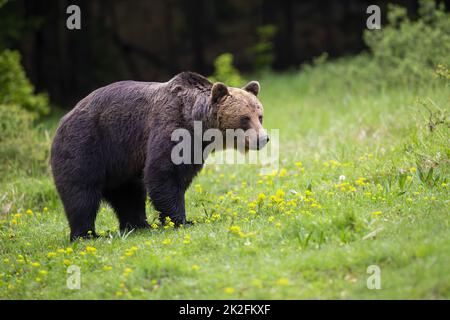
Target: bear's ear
{"x":252,"y":87}
{"x":219,"y":90}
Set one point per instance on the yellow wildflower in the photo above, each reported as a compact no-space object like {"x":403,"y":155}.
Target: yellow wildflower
{"x":127,"y":271}
{"x":282,"y":173}
{"x":298,"y":164}
{"x":361,"y":182}
{"x":261,"y":197}
{"x":316,"y":205}
{"x":280,"y":193}
{"x":187,"y":239}
{"x":235,"y":229}
{"x":90,"y":249}
{"x":229,"y":290}
{"x":129,"y":253}
{"x":168,"y":223}
{"x":252,"y":205}
{"x":283,"y":282}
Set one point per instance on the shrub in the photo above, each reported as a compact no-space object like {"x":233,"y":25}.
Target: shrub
{"x":15,"y":89}
{"x":225,"y":71}
{"x":404,"y":53}
{"x":262,"y":52}
{"x":407,"y":51}
{"x":20,"y":146}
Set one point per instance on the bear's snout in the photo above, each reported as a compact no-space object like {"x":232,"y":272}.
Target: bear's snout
{"x":262,"y":141}
{"x":256,"y":141}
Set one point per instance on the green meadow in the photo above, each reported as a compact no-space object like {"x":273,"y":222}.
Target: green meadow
{"x":363,"y":180}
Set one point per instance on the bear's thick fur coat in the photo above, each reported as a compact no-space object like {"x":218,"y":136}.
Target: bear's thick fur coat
{"x":115,"y":145}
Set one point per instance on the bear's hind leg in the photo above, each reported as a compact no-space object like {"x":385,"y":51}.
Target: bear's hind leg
{"x":128,"y":201}
{"x":81,"y":209}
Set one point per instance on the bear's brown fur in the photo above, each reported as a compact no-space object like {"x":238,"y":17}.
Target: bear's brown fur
{"x":116,"y":145}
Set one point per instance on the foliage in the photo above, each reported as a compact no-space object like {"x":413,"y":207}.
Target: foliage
{"x":225,"y":72}
{"x":407,"y":51}
{"x":11,"y":27}
{"x":3,"y":2}
{"x":21,"y":146}
{"x":16,"y":89}
{"x":261,"y":53}
{"x":404,"y":53}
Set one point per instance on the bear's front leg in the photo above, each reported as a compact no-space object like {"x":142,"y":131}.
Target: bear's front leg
{"x":167,"y":196}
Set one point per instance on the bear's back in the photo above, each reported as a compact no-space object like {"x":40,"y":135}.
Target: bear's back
{"x":108,"y":131}
{"x":108,"y":128}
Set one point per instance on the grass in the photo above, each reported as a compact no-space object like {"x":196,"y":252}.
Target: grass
{"x":362,"y":181}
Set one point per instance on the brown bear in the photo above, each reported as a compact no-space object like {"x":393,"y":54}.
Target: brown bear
{"x":115,"y":145}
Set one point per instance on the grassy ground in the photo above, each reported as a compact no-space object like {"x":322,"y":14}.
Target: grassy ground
{"x":301,"y":232}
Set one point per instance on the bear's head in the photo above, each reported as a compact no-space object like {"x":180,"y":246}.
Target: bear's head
{"x":238,"y":111}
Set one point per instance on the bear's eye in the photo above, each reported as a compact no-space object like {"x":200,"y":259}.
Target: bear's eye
{"x":245,"y":122}
{"x":261,"y":119}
